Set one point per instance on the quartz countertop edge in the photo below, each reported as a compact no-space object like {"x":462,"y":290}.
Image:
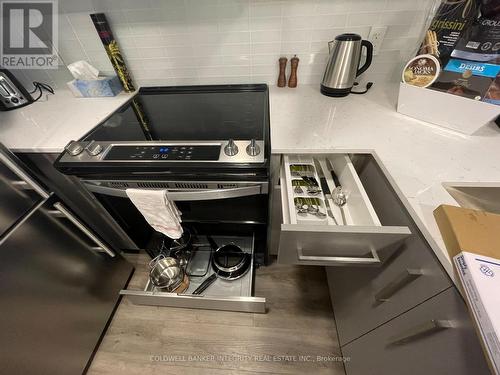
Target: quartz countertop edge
{"x":48,"y":125}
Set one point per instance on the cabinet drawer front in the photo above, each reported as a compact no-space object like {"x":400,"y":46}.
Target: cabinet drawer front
{"x":436,"y":337}
{"x":322,"y":242}
{"x":409,"y":275}
{"x":241,"y":304}
{"x":376,"y":295}
{"x":302,"y":244}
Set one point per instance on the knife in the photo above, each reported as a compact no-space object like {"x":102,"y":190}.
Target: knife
{"x":334,"y":175}
{"x":337,"y":186}
{"x":326,"y":193}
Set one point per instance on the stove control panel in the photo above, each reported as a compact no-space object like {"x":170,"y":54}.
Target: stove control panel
{"x":164,"y":153}
{"x":232,"y":151}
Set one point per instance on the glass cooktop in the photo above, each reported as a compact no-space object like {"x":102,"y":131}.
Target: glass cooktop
{"x":192,"y":113}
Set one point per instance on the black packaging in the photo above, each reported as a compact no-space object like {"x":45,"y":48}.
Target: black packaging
{"x":115,"y":56}
{"x":481,"y":41}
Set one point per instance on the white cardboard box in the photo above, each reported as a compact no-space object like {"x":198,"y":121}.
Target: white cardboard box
{"x":480,"y":278}
{"x":450,"y":111}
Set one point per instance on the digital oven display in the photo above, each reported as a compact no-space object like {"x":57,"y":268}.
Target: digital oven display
{"x":164,"y":153}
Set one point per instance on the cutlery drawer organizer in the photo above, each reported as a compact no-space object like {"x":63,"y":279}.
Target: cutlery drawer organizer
{"x":352,"y":236}
{"x":357,"y":211}
{"x":296,"y":167}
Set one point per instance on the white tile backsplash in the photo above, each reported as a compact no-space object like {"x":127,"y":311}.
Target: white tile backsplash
{"x":231,"y":41}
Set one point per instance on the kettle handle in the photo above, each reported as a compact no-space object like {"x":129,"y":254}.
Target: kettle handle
{"x":369,"y":56}
{"x":330,"y":45}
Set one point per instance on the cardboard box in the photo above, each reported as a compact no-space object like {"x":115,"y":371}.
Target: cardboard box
{"x":472,"y":239}
{"x":480,"y":279}
{"x":469,"y":230}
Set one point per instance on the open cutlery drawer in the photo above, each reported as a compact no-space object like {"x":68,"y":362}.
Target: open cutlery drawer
{"x":329,"y":234}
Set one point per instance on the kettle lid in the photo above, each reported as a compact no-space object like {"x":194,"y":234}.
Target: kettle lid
{"x":348,"y":37}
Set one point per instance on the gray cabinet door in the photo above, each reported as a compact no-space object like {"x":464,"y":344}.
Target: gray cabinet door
{"x":436,"y":337}
{"x":15,"y":198}
{"x":364,"y":298}
{"x":56,"y":297}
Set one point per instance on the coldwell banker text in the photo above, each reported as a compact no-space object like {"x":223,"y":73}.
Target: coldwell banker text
{"x":28,"y":34}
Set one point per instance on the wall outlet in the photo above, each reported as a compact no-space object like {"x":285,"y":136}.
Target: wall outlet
{"x":376,"y":36}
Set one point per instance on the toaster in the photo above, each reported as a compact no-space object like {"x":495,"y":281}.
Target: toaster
{"x":12,"y":94}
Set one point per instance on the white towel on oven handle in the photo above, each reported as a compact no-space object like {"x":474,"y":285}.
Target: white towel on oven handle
{"x":158,"y":210}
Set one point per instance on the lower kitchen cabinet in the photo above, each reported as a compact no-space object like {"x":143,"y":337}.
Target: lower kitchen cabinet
{"x":435,"y":337}
{"x":365,"y":298}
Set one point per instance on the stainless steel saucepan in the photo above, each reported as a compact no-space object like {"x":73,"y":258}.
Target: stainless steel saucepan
{"x":167,"y":274}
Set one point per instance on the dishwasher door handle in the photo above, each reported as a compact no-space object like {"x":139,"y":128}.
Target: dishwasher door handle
{"x":62,"y":211}
{"x":27,"y":182}
{"x":191,"y":195}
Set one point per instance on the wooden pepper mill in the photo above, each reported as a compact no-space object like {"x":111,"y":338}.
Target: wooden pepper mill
{"x":282,"y":76}
{"x":292,"y":81}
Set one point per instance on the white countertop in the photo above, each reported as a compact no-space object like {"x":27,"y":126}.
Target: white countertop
{"x":418,"y":156}
{"x":50,"y":123}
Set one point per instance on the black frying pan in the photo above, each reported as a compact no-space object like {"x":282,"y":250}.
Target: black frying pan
{"x":229,"y":262}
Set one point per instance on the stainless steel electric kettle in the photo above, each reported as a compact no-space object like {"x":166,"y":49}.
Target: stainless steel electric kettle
{"x":343,"y":64}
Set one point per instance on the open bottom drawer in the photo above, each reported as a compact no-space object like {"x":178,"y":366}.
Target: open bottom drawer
{"x":235,"y":295}
{"x":347,"y":235}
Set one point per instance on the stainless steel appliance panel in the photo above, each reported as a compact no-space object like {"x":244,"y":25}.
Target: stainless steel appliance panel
{"x":436,"y":337}
{"x":56,"y":297}
{"x":12,"y":93}
{"x":16,"y":198}
{"x":74,"y":195}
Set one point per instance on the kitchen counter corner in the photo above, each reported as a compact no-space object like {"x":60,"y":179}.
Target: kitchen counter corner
{"x":417,"y":156}
{"x":48,"y":125}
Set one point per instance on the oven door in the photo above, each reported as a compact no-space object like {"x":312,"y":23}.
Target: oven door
{"x":230,"y":212}
{"x":231,"y":203}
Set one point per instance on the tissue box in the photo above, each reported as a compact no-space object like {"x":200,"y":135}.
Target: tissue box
{"x":103,"y":86}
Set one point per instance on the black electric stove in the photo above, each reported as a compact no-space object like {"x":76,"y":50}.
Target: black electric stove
{"x":186,"y":130}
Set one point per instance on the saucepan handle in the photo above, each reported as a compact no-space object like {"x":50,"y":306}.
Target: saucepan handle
{"x":155,"y":260}
{"x":369,"y":56}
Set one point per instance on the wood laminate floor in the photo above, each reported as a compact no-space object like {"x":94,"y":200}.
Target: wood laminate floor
{"x":162,"y":340}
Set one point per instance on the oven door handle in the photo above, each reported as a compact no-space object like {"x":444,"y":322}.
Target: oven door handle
{"x":196,"y":195}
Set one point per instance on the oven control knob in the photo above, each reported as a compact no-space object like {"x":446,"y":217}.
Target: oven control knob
{"x":231,"y":149}
{"x":253,"y":148}
{"x":74,"y":148}
{"x":93,"y":148}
